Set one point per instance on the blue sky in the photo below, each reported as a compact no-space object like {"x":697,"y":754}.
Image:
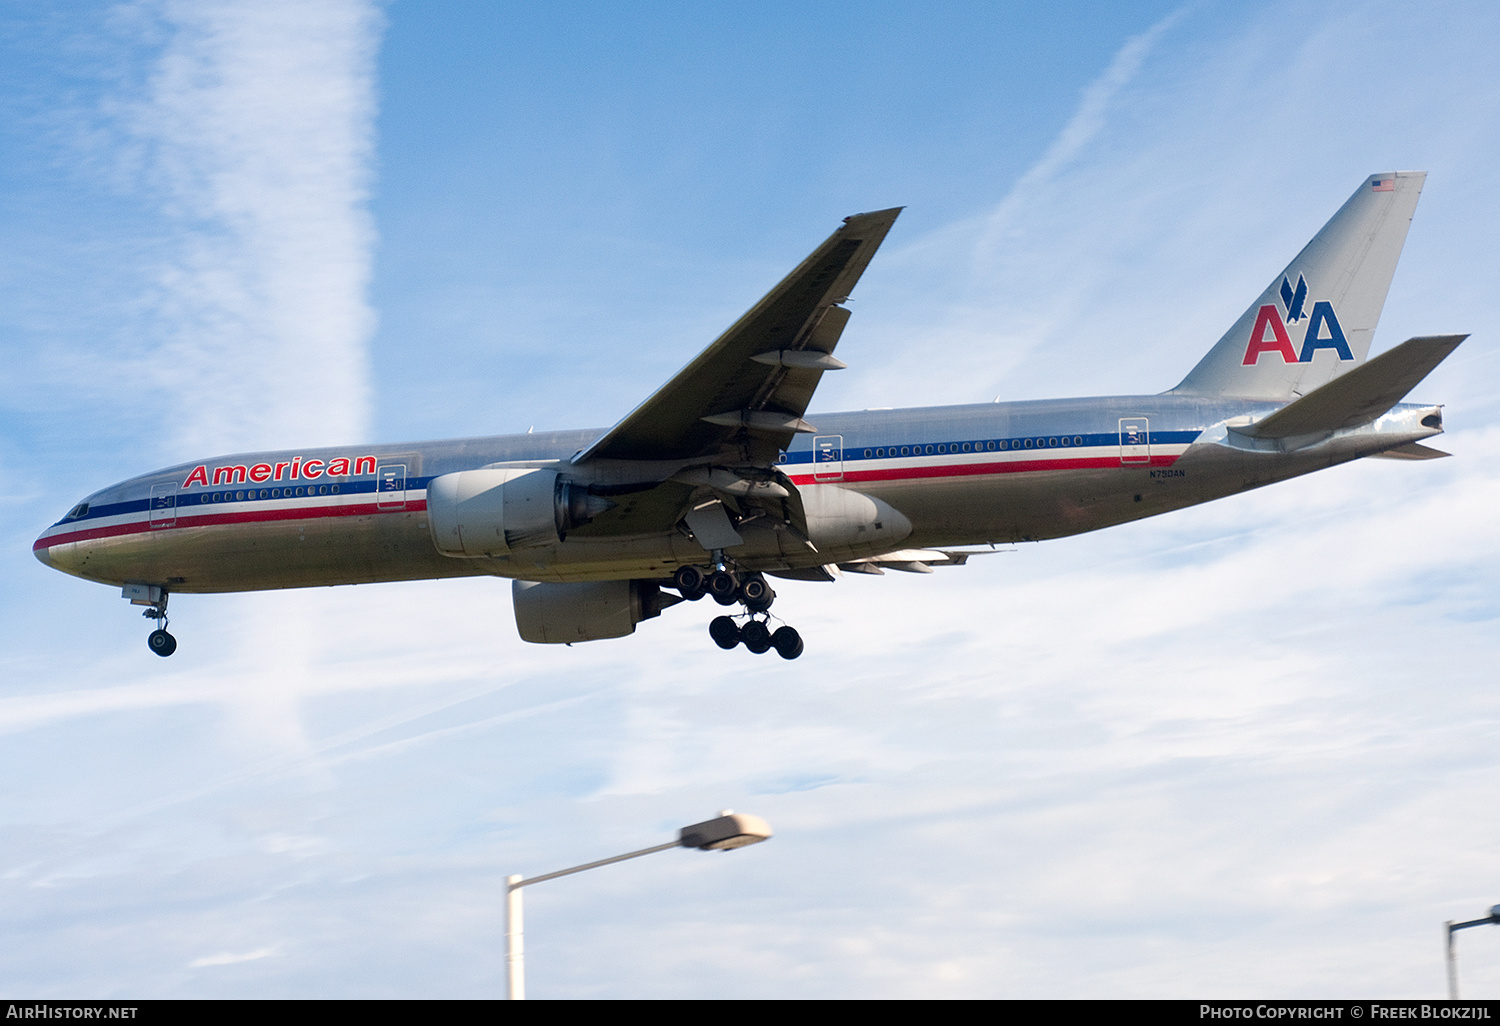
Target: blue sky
{"x":1245,"y":749}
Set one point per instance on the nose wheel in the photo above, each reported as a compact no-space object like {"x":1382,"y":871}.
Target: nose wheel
{"x":160,"y":642}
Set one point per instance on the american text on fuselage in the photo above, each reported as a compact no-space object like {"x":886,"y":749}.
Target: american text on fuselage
{"x":721,"y":478}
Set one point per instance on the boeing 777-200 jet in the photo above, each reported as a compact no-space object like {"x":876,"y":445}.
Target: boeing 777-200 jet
{"x":722,"y":477}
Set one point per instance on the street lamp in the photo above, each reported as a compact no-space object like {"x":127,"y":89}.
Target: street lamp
{"x":722,"y":833}
{"x":1450,"y":925}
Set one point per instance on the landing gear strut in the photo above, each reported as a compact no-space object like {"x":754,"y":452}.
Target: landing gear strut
{"x":749,"y":590}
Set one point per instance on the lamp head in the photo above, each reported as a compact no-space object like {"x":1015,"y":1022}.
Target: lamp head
{"x":731,"y":830}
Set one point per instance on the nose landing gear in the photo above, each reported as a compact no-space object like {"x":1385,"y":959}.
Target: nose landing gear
{"x":751,"y":591}
{"x":154,"y":598}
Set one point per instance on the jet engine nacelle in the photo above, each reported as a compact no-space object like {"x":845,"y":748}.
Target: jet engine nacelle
{"x":488,"y":512}
{"x":555,"y":614}
{"x":840,"y":518}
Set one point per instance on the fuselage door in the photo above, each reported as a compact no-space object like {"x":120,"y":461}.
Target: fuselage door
{"x":1135,"y":440}
{"x":163,"y":504}
{"x":390,"y":486}
{"x":828,"y":458}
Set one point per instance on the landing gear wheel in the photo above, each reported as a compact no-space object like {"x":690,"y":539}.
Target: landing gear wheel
{"x":756,"y":594}
{"x":689,"y":581}
{"x":787,"y":642}
{"x":162,"y":643}
{"x":724,"y":587}
{"x":725,"y":632}
{"x":756,"y":636}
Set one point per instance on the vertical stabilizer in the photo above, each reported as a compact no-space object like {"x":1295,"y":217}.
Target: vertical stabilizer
{"x":1316,"y":319}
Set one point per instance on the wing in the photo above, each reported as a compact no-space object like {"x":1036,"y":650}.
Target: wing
{"x":743,"y":398}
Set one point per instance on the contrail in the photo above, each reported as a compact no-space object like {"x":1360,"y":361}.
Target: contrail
{"x":258,"y":123}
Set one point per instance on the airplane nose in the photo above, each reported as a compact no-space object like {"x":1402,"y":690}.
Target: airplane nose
{"x":68,"y":557}
{"x":52,"y":550}
{"x":59,"y":555}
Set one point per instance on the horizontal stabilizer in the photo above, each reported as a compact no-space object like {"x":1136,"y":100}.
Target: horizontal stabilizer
{"x":1362,"y":394}
{"x":1412,"y":451}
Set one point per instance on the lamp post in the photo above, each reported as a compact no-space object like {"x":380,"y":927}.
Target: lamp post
{"x":722,"y":833}
{"x":1449,"y":927}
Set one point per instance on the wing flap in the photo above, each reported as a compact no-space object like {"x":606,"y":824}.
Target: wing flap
{"x":912,"y":561}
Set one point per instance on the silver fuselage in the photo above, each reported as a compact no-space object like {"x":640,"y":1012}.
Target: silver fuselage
{"x":963,"y":475}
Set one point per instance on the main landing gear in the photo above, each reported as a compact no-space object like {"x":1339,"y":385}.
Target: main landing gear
{"x":749,"y":590}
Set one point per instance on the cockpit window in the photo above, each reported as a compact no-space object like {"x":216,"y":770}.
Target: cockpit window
{"x":79,"y":510}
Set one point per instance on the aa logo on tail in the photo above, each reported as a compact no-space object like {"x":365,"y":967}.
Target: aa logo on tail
{"x":1270,"y":333}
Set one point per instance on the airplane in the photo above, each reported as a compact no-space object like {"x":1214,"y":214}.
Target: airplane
{"x":721,"y":478}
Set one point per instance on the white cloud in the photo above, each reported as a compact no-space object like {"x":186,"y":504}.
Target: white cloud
{"x":228,"y":958}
